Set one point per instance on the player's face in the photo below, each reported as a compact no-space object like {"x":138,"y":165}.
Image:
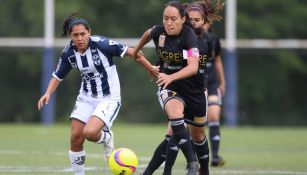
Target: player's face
{"x":80,"y":37}
{"x":172,"y":20}
{"x":196,"y":19}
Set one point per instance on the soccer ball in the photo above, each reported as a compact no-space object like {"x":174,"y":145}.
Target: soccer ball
{"x":123,"y":161}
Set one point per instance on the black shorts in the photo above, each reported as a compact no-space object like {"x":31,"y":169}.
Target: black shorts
{"x":195,"y":105}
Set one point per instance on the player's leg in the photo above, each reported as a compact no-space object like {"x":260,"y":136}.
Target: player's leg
{"x":214,"y":130}
{"x":76,"y":152}
{"x":159,"y":155}
{"x":214,"y":110}
{"x":174,"y":108}
{"x":98,"y":127}
{"x":200,"y":144}
{"x":78,"y":119}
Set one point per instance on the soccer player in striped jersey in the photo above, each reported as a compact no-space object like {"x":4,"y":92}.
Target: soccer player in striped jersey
{"x":216,"y":87}
{"x":99,"y":99}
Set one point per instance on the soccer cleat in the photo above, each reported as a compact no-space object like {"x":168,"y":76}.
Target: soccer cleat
{"x":108,"y":146}
{"x":192,"y":168}
{"x":217,"y":161}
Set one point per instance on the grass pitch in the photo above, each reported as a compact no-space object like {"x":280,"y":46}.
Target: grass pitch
{"x":38,"y":149}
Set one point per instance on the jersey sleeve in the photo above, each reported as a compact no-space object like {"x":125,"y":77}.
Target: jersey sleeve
{"x":190,"y":39}
{"x":111,"y":47}
{"x":190,"y":43}
{"x":156,"y":31}
{"x":62,"y":68}
{"x":217,"y":45}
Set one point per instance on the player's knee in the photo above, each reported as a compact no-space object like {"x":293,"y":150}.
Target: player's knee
{"x":90,"y":134}
{"x":198,"y":137}
{"x":76,"y":138}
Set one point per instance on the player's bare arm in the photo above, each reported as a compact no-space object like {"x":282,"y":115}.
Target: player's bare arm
{"x":53,"y":84}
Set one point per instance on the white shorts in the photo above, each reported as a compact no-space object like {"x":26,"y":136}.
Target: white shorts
{"x":105,"y":109}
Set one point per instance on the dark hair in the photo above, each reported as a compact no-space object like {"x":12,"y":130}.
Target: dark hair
{"x":181,"y":9}
{"x":178,"y":6}
{"x":208,"y":9}
{"x":72,"y":20}
{"x":212,"y":9}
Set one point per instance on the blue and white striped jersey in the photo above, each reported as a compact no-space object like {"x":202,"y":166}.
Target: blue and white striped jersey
{"x":98,"y":70}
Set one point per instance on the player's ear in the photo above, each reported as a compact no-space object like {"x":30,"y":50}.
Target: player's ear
{"x":89,"y":31}
{"x":183,"y":19}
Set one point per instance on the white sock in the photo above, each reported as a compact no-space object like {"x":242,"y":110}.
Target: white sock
{"x":77,"y":160}
{"x":104,"y":136}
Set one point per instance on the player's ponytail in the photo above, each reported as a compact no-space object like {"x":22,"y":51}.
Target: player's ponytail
{"x":211,"y":9}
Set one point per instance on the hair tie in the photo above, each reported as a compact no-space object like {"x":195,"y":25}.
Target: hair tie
{"x":77,"y":21}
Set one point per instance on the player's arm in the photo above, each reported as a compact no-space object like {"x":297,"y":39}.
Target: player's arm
{"x":142,"y":42}
{"x":53,"y":84}
{"x":219,"y":68}
{"x":144,"y":62}
{"x":190,"y":70}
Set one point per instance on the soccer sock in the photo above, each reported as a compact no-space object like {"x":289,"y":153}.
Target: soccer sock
{"x":214,"y":130}
{"x":171,"y":152}
{"x":202,"y":152}
{"x":77,"y":160}
{"x":104,"y":136}
{"x":182,"y":138}
{"x":158,"y":157}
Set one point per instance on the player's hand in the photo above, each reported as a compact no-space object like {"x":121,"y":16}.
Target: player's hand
{"x":164,"y":79}
{"x":137,"y":54}
{"x":154,"y":72}
{"x":223,"y":89}
{"x":43,"y":100}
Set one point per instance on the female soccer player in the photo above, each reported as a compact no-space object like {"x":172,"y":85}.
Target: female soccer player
{"x":216,"y":87}
{"x":200,"y":13}
{"x":99,"y":100}
{"x":197,"y":14}
{"x":181,"y":86}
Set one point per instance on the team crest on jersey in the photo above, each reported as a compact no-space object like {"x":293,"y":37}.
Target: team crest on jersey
{"x":161,"y":40}
{"x":96,"y":58}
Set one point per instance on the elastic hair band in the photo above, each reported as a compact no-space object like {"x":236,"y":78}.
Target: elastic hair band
{"x":77,"y":21}
{"x":196,"y":7}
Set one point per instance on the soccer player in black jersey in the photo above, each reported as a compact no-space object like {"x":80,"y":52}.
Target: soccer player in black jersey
{"x":99,"y":100}
{"x":181,"y":87}
{"x":216,"y":87}
{"x":194,"y":116}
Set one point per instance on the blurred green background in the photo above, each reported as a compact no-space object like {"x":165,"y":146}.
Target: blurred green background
{"x":272,"y":82}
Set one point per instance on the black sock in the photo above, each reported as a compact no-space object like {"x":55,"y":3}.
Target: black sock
{"x":158,"y":157}
{"x":202,"y":152}
{"x":214,"y":130}
{"x":171,"y":152}
{"x":182,"y":138}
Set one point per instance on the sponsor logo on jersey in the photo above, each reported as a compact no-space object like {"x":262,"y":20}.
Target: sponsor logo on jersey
{"x":161,"y":40}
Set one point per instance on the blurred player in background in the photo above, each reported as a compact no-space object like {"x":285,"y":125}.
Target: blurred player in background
{"x":181,"y":88}
{"x":216,"y":88}
{"x":99,"y":100}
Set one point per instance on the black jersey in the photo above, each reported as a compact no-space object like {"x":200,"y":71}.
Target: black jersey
{"x":205,"y":52}
{"x":170,"y":50}
{"x":216,"y":50}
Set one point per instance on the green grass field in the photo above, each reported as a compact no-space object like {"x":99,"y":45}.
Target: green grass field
{"x":38,"y":149}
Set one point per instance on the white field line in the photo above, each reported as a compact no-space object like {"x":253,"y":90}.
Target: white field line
{"x":29,"y":169}
{"x":25,"y":169}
